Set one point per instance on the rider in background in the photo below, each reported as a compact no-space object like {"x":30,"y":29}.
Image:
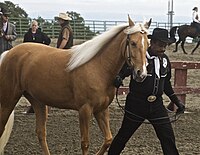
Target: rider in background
{"x":195,"y":18}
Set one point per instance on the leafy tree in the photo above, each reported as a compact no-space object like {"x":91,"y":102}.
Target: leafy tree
{"x":14,"y":9}
{"x":20,"y":18}
{"x":78,"y":25}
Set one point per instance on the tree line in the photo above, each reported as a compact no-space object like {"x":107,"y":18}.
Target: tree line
{"x":19,"y":13}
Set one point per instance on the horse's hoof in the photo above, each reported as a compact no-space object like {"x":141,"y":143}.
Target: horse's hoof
{"x":185,"y":53}
{"x":174,"y":51}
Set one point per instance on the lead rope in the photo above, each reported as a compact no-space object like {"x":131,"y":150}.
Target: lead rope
{"x":172,"y":118}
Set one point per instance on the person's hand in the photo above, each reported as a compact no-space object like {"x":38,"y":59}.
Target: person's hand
{"x":181,"y":107}
{"x":118,"y":81}
{"x":7,"y":37}
{"x":178,"y":103}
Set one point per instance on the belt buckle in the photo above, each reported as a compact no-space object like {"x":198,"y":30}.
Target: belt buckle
{"x":151,"y":98}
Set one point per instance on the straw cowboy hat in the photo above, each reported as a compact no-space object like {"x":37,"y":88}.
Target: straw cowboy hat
{"x":63,"y":16}
{"x":162,"y":35}
{"x":4,"y":12}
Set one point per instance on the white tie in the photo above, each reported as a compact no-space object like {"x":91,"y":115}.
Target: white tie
{"x":156,"y":63}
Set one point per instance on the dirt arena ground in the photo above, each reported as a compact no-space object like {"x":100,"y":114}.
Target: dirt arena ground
{"x":63,"y":127}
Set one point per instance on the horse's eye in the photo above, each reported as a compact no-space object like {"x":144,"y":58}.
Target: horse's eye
{"x":133,"y":44}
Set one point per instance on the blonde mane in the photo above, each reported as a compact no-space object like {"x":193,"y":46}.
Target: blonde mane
{"x":84,"y":52}
{"x":2,"y":56}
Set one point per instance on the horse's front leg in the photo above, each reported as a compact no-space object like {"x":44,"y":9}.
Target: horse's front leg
{"x":196,"y":47}
{"x":182,"y":45}
{"x":103,"y":119}
{"x":41,"y":118}
{"x":84,"y":118}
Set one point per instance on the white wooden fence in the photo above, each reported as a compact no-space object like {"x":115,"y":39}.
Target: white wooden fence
{"x":52,"y":28}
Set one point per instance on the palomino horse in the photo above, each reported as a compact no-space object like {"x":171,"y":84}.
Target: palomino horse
{"x":80,"y":78}
{"x":183,"y":32}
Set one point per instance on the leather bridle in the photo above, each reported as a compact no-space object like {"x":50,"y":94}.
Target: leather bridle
{"x":127,"y":46}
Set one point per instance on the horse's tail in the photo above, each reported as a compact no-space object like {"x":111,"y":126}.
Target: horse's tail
{"x":8,"y":128}
{"x":172,"y":33}
{"x":6,"y":134}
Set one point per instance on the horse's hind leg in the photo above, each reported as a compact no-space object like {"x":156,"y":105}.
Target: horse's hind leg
{"x":182,"y":45}
{"x":41,"y":117}
{"x":103,"y":122}
{"x":196,"y":47}
{"x":7,"y":104}
{"x":85,"y":113}
{"x":176,"y":46}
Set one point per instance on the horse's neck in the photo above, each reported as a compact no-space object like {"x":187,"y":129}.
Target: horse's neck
{"x":111,"y":59}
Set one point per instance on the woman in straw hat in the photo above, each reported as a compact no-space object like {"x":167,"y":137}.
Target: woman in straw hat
{"x":65,"y":39}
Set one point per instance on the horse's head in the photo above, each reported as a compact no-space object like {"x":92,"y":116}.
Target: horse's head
{"x":136,"y":47}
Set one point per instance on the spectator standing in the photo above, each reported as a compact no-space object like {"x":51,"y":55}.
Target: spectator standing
{"x":65,"y":38}
{"x":8,"y":31}
{"x":35,"y":35}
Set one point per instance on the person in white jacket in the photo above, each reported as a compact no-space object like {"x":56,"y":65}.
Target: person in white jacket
{"x":195,"y":18}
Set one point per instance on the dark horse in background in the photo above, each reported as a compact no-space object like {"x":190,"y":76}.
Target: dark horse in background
{"x":183,"y":32}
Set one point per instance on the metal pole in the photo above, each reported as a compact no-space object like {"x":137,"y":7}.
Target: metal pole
{"x":170,"y":13}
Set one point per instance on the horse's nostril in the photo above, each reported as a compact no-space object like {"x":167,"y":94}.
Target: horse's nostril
{"x":138,"y":72}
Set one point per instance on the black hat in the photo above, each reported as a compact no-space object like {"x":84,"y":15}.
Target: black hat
{"x":162,"y":35}
{"x":4,"y":12}
{"x":195,"y":8}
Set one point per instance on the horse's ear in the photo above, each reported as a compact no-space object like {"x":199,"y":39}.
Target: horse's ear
{"x":131,"y":23}
{"x":147,"y":24}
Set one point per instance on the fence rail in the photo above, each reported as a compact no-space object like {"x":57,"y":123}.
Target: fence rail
{"x":180,"y":81}
{"x":80,"y":28}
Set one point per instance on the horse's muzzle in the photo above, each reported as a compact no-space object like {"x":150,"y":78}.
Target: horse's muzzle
{"x":139,"y":76}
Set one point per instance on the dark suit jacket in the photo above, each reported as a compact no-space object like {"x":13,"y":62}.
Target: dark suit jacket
{"x":7,"y":44}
